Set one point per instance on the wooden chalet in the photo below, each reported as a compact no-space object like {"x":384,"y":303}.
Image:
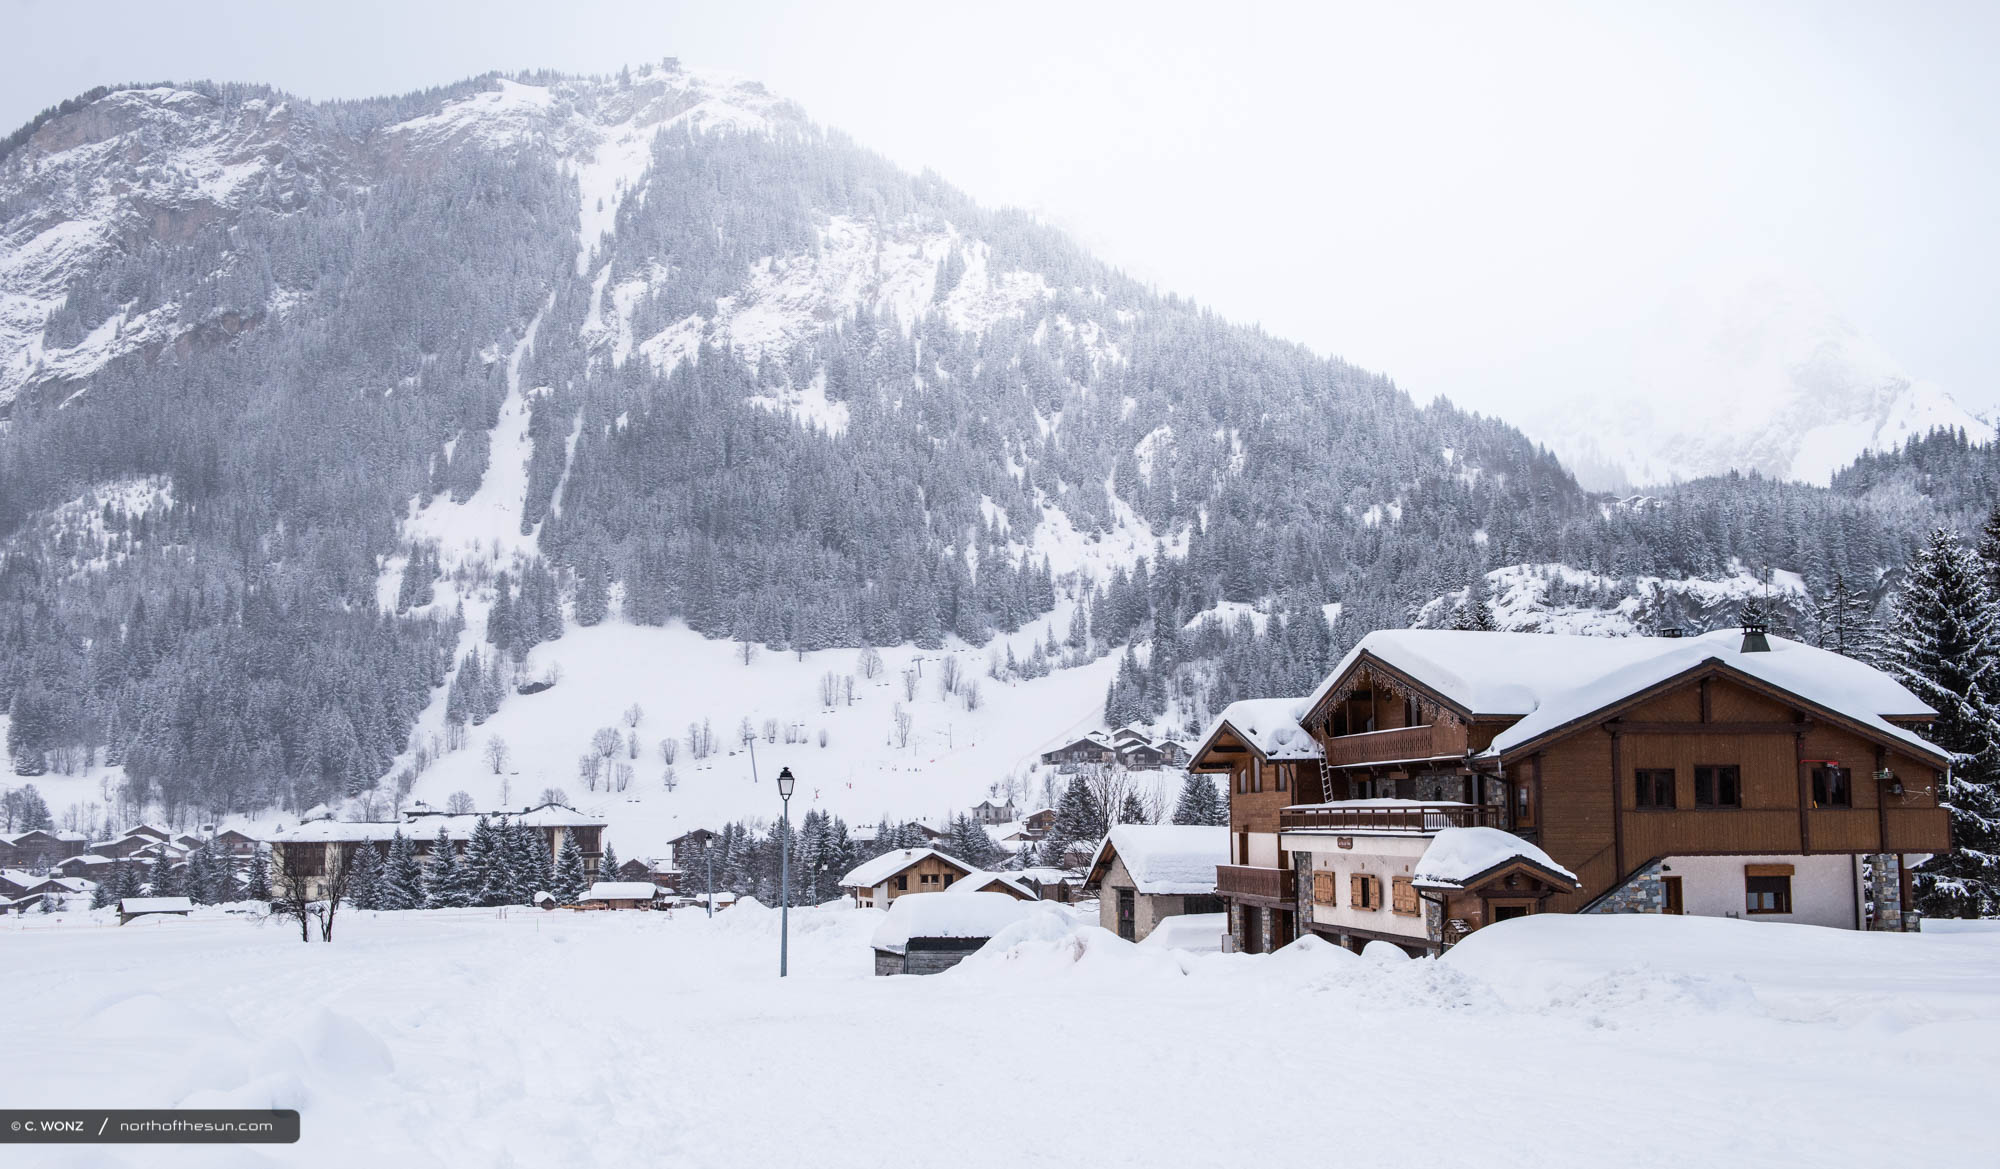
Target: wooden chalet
{"x":1732,"y":774}
{"x":1095,"y":747}
{"x":39,"y":848}
{"x":314,"y":846}
{"x":878,"y":882}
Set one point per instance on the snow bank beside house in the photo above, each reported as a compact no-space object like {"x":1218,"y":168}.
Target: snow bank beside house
{"x":1199,"y":933}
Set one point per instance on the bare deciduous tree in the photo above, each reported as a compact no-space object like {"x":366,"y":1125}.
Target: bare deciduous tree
{"x":496,"y":753}
{"x":669,"y":750}
{"x":459,"y":803}
{"x":948,"y":675}
{"x":633,"y":715}
{"x":902,"y":726}
{"x":554,"y":795}
{"x":588,"y":765}
{"x":869,"y":663}
{"x":829,"y":688}
{"x":970,"y":694}
{"x":910,"y":678}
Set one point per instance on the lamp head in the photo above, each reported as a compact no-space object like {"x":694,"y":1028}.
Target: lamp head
{"x":786,"y":783}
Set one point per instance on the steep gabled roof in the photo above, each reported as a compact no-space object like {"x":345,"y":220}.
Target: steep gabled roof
{"x":1548,"y":681}
{"x":1459,"y":858}
{"x":871,"y":873}
{"x":1171,"y":859}
{"x":1268,"y":726}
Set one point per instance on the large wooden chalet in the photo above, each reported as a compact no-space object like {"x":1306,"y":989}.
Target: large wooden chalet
{"x":313,"y":848}
{"x":1439,"y":780}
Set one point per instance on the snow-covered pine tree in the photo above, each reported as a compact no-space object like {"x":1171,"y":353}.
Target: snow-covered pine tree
{"x":169,"y":880}
{"x":1946,"y":649}
{"x":570,"y":879}
{"x":402,"y":876}
{"x":364,"y":882}
{"x":1131,"y":810}
{"x":444,"y":886}
{"x":607,"y":865}
{"x":1476,"y":612}
{"x":257,"y":878}
{"x":1079,"y":818}
{"x":1199,"y":802}
{"x":969,"y":841}
{"x":485,"y":876}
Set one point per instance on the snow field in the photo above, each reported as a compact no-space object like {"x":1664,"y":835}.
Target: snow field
{"x":556,"y":1039}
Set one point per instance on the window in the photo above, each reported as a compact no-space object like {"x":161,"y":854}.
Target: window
{"x":1718,"y":786}
{"x":1364,"y":892}
{"x":903,"y":883}
{"x":1656,"y":787}
{"x":1282,"y":769}
{"x":1767,"y":892}
{"x":1832,"y":787}
{"x":1403,"y":896}
{"x":1256,"y":775}
{"x":1242,"y":782}
{"x":1413,"y":712}
{"x":1324,"y":887}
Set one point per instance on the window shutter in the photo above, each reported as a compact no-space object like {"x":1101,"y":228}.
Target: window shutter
{"x":1324,"y":889}
{"x":1406,"y":896}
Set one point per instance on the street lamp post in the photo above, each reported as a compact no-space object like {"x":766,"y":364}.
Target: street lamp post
{"x":785,"y":785}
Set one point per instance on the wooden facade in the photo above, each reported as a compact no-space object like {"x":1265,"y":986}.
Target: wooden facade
{"x":1711,"y":762}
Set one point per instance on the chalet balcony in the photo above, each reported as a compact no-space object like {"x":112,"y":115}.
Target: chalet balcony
{"x":1394,"y":745}
{"x":1389,"y":816}
{"x":1250,"y":881}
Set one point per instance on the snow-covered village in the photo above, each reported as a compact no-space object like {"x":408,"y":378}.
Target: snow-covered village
{"x":656,"y":583}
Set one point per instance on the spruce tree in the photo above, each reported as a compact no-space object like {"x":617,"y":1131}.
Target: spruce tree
{"x":485,"y":877}
{"x":1131,"y":810}
{"x":1079,"y":819}
{"x":364,"y":882}
{"x":1199,"y":802}
{"x":443,"y":886}
{"x":403,"y":876}
{"x":607,"y":865}
{"x":257,"y":879}
{"x":570,"y":879}
{"x":1945,"y":649}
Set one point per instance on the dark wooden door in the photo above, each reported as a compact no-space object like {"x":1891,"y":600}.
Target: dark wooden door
{"x":1127,"y":915}
{"x":1673,"y":885}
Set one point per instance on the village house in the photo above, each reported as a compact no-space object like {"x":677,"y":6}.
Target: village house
{"x":878,"y":882}
{"x":39,"y":848}
{"x":1005,"y":884}
{"x":1142,"y":874}
{"x":1732,"y":774}
{"x":236,"y":843}
{"x":988,"y":812}
{"x":130,"y":908}
{"x":1095,"y":747}
{"x":315,"y":846}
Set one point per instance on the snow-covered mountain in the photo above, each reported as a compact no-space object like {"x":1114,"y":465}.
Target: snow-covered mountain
{"x":325,"y":427}
{"x":1767,"y":378}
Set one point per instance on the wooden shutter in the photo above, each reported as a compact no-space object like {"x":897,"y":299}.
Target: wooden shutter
{"x":1364,"y":892}
{"x":1324,"y":889}
{"x":1406,"y":896}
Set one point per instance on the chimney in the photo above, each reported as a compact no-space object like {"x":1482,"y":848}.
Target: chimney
{"x":1754,"y":641}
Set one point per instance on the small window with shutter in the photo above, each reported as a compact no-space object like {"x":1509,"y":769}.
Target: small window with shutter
{"x":1405,"y":895}
{"x":1324,"y":889}
{"x":1364,"y":892}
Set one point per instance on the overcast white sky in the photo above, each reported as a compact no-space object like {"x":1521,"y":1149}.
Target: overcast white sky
{"x":1474,"y":199}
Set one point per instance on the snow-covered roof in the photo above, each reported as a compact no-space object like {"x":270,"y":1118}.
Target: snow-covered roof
{"x":1549,"y":679}
{"x":938,"y":915}
{"x":870,"y":873}
{"x":20,"y":877}
{"x":86,"y":858}
{"x":355,"y":831}
{"x":622,"y":891}
{"x":148,"y":829}
{"x":154,"y":905}
{"x":982,"y":881}
{"x":1171,"y":859}
{"x":545,"y":816}
{"x":1459,"y":855}
{"x":74,"y":884}
{"x":1270,"y":726}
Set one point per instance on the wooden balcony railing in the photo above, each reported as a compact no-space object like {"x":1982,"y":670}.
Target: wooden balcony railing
{"x":1250,"y":881}
{"x":1421,"y":742}
{"x":1391,"y":817}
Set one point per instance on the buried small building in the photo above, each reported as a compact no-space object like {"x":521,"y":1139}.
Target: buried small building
{"x":927,"y":933}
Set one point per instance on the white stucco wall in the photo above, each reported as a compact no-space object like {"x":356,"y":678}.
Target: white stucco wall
{"x":1382,"y":857}
{"x":1825,"y":889}
{"x":1264,"y":850}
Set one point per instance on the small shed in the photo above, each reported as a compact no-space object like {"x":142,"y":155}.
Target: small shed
{"x":620,"y":895}
{"x":1146,"y":873}
{"x":927,"y":933}
{"x":1486,"y":875}
{"x":131,"y":907}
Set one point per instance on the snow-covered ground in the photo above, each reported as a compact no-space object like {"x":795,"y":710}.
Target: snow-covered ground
{"x":558,"y":1039}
